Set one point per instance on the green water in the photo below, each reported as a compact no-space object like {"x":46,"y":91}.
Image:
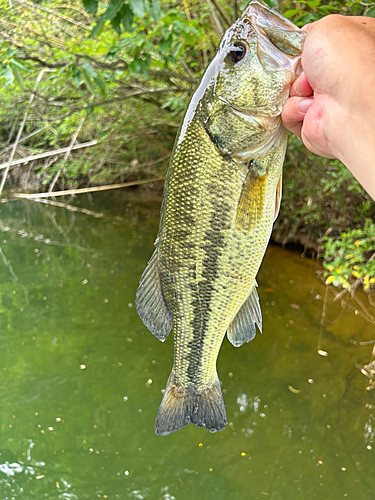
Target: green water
{"x":81,"y":377}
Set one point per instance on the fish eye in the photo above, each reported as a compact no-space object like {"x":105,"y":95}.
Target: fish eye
{"x":237,"y":52}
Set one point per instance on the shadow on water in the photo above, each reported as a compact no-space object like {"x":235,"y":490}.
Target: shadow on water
{"x":81,"y":377}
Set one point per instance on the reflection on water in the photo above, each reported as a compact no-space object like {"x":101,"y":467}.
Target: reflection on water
{"x":81,"y":377}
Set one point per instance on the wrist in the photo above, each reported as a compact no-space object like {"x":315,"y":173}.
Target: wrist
{"x":358,"y":151}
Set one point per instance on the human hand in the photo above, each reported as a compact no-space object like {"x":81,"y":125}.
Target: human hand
{"x":331,"y":105}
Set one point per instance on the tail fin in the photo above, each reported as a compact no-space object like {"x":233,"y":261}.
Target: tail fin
{"x":184,"y":405}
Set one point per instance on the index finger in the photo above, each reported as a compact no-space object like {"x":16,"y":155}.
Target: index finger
{"x":301,"y":87}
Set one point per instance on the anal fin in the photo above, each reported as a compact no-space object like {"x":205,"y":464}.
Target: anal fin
{"x":150,"y":303}
{"x":242,"y":329}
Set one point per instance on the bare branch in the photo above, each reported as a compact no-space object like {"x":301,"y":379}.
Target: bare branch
{"x":73,"y":140}
{"x":23,"y":139}
{"x":222,"y":12}
{"x":80,"y":11}
{"x":4,"y":178}
{"x":215,"y":20}
{"x":115,"y":99}
{"x":89,"y":189}
{"x":71,"y":208}
{"x":47,"y":154}
{"x":54,"y":13}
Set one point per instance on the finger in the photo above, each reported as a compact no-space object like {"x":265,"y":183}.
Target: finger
{"x":307,"y":27}
{"x":294,"y":112}
{"x":301,"y":87}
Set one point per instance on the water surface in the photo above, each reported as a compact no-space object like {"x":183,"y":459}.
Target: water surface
{"x":81,"y":377}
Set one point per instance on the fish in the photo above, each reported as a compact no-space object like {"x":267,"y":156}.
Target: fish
{"x":221,"y":196}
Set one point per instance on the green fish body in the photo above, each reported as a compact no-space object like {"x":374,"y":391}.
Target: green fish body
{"x":221,"y":197}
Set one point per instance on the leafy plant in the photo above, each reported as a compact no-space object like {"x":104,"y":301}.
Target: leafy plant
{"x":351,"y":257}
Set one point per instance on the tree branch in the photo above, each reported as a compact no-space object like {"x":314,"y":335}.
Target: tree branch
{"x":54,"y":13}
{"x":115,"y":99}
{"x":4,"y":178}
{"x":73,"y":140}
{"x":47,"y":154}
{"x":222,"y":12}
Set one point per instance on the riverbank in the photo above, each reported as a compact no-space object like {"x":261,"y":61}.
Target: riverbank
{"x":321,"y":200}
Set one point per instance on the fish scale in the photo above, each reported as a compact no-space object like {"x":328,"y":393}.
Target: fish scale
{"x":221,"y":196}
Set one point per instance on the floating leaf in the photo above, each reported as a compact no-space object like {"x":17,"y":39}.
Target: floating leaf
{"x":293,"y":390}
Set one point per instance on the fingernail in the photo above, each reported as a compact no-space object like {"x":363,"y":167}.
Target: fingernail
{"x":304,"y":105}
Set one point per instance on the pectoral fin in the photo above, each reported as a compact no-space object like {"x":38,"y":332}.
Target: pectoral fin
{"x":252,"y":200}
{"x":279,"y":189}
{"x":150,"y":303}
{"x":242,"y":329}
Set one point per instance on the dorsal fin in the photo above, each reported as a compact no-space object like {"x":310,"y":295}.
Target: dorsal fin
{"x":150,"y":303}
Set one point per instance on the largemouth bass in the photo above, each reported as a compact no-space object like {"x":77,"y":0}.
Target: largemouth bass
{"x":221,"y":196}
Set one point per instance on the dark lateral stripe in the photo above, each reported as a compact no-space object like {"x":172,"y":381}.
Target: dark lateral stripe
{"x":213,"y":245}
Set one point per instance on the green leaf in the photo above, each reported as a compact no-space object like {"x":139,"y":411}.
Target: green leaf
{"x":8,"y":75}
{"x":181,"y":25}
{"x":89,"y":84}
{"x":109,"y":14}
{"x":116,"y":23}
{"x":126,"y":42}
{"x":292,"y":12}
{"x":190,"y":39}
{"x":17,"y":64}
{"x":138,"y":7}
{"x":126,"y":18}
{"x":97,"y":28}
{"x":100,"y":83}
{"x":271,"y":3}
{"x":114,"y":7}
{"x":164,"y":45}
{"x":77,"y":76}
{"x":139,"y":66}
{"x":313,"y":4}
{"x":89,"y":70}
{"x":18,"y":77}
{"x":155,"y":9}
{"x":91,"y":6}
{"x":177,"y":50}
{"x":9,"y":53}
{"x":326,"y":9}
